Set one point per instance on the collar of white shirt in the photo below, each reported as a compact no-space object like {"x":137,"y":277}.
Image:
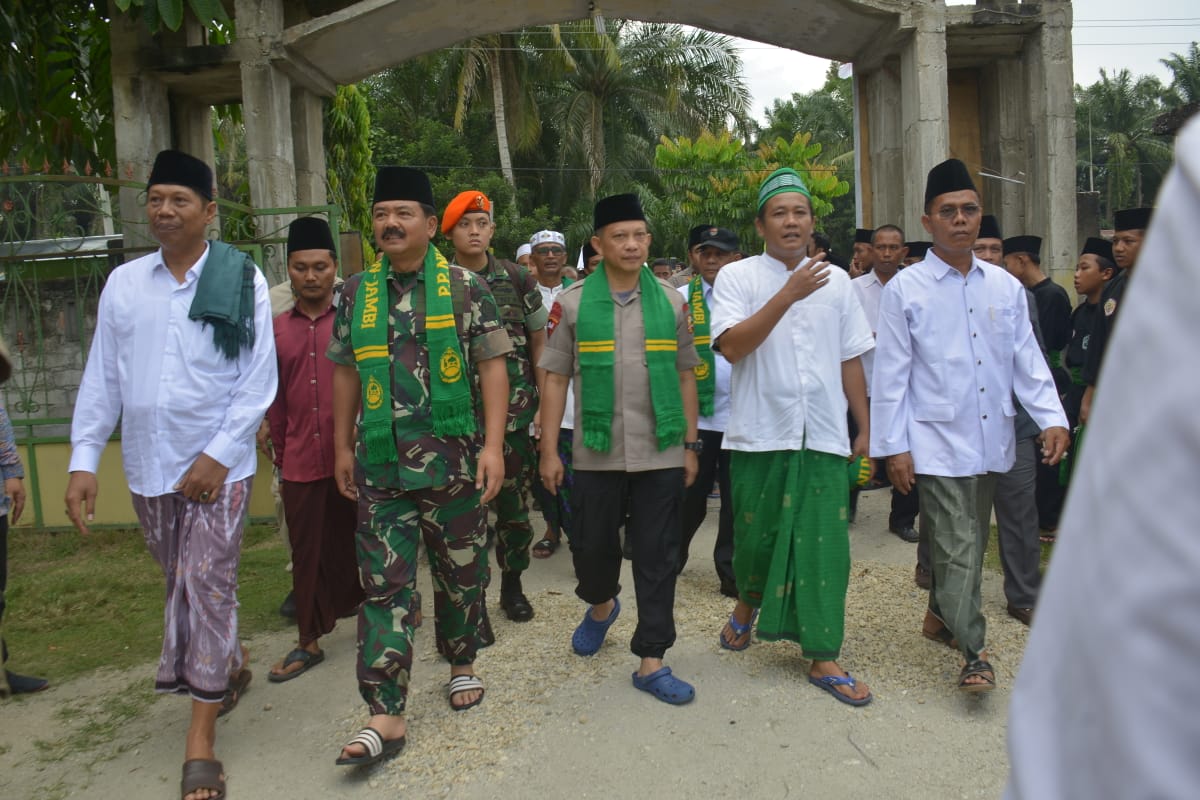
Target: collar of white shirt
{"x":941,"y":269}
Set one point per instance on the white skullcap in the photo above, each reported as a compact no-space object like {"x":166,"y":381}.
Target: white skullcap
{"x":541,"y":237}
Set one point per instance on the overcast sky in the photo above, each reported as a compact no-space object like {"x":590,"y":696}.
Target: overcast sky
{"x":1113,"y":34}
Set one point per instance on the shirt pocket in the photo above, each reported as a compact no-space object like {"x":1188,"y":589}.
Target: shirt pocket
{"x":1003,"y":322}
{"x":933,"y":412}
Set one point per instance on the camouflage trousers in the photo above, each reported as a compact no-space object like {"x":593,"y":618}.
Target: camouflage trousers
{"x":514,"y":534}
{"x":453,"y":525}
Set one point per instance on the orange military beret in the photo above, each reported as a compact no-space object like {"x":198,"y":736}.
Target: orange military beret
{"x":465,"y":203}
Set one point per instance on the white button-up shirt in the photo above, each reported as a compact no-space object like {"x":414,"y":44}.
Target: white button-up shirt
{"x":869,"y":291}
{"x":721,"y":374}
{"x":787,"y":393}
{"x":160,"y":373}
{"x":548,"y":295}
{"x":950,"y":353}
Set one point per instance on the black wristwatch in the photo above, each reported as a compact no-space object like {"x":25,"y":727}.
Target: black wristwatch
{"x":696,"y":446}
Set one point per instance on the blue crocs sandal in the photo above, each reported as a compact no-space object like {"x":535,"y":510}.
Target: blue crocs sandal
{"x":588,"y":637}
{"x":738,"y":632}
{"x":666,"y":687}
{"x":830,"y":683}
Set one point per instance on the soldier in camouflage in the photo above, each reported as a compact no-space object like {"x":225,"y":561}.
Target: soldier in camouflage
{"x":433,"y":488}
{"x":468,"y":223}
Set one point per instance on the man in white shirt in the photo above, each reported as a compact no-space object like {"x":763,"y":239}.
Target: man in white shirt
{"x":1104,"y":705}
{"x":888,"y":241}
{"x":954,"y":344}
{"x":547,"y":259}
{"x":794,"y":332}
{"x":184,"y":355}
{"x":715,"y":247}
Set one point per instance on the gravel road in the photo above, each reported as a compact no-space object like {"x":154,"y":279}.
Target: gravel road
{"x":554,"y":725}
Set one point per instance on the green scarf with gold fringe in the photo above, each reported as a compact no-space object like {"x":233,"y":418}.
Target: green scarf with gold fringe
{"x":706,"y":370}
{"x":597,"y":347}
{"x":449,"y":392}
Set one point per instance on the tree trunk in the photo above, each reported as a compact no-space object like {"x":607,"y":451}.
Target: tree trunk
{"x":506,"y":166}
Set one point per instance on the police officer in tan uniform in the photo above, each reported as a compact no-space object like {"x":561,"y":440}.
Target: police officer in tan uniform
{"x":625,"y":338}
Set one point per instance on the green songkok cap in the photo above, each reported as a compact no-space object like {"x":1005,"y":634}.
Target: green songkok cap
{"x":784,"y":179}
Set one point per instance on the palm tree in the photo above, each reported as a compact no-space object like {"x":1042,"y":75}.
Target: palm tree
{"x":502,"y":60}
{"x":636,"y":83}
{"x":1185,"y":85}
{"x":1117,"y":113}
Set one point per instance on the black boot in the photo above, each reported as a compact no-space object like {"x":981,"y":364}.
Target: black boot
{"x":512,"y":599}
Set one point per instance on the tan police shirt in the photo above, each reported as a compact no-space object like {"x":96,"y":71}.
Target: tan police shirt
{"x":634,"y":444}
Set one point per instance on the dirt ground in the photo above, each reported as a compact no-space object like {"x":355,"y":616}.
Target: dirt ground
{"x":556,"y":725}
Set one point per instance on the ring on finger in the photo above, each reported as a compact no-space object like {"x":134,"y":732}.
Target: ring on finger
{"x":203,"y":496}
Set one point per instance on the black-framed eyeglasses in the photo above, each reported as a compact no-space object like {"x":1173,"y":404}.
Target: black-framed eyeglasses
{"x":550,"y":250}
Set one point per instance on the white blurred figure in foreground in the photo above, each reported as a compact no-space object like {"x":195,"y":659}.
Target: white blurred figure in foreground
{"x":1106,"y":702}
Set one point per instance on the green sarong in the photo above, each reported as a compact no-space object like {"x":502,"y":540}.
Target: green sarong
{"x":791,"y":545}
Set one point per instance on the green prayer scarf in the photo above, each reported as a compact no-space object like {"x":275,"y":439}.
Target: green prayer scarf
{"x":706,"y":371}
{"x":597,"y":347}
{"x":225,"y":298}
{"x":450,"y":395}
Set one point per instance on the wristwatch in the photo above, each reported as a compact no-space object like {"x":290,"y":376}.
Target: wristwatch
{"x":696,"y":446}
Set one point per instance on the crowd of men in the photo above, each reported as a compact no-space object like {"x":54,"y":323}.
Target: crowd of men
{"x":426,"y":395}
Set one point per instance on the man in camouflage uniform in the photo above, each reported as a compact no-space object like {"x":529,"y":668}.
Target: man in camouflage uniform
{"x":433,"y":489}
{"x":468,"y":223}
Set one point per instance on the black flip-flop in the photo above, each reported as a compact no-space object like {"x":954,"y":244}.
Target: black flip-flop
{"x":202,"y":773}
{"x":545,"y":548}
{"x":300,"y":656}
{"x":375,"y":746}
{"x":237,"y":687}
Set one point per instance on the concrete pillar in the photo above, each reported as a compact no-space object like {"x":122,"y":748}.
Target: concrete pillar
{"x":142,"y":123}
{"x":193,"y":134}
{"x":1005,"y":124}
{"x":267,"y":113}
{"x":308,"y":131}
{"x":924,"y":106}
{"x":885,"y":153}
{"x":1050,"y":181}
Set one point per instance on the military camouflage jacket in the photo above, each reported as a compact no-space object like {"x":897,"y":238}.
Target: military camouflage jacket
{"x":523,"y":312}
{"x":425,"y":460}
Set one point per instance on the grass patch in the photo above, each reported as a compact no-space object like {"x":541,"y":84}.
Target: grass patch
{"x":991,"y":558}
{"x":79,"y":603}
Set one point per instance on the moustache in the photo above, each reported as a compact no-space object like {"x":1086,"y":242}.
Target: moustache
{"x":394,"y":233}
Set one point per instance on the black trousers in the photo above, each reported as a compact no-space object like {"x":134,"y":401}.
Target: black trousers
{"x":1050,"y":496}
{"x":904,"y":506}
{"x":653,"y":499}
{"x":714,"y":465}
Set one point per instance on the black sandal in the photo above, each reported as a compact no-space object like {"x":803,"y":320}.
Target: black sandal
{"x":545,"y":548}
{"x":977,"y":668}
{"x":202,"y":773}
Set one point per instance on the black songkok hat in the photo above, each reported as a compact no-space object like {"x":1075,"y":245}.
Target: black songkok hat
{"x":402,"y":183}
{"x":309,"y":233}
{"x":949,"y":176}
{"x":1098,"y":247}
{"x":989,"y":227}
{"x":617,"y":208}
{"x":589,"y":252}
{"x":863,"y":235}
{"x":694,"y":235}
{"x":1023,"y":244}
{"x":918,"y":249}
{"x":1132,"y":219}
{"x":720,"y":238}
{"x":178,"y":168}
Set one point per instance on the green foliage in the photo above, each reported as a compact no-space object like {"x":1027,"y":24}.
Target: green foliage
{"x":715,"y":179}
{"x":55,"y":84}
{"x":349,"y":168}
{"x":1185,"y":83}
{"x":169,"y":14}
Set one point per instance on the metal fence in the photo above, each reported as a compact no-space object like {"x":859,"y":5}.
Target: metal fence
{"x":60,"y":237}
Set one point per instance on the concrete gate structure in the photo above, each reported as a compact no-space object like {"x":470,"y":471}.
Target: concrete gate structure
{"x":990,"y":84}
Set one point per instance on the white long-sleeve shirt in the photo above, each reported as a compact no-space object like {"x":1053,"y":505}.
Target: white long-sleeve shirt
{"x":950,"y":352}
{"x":160,"y":373}
{"x":869,"y":290}
{"x":787,"y":394}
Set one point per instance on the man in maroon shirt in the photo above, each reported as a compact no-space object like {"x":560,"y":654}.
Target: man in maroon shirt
{"x":321,"y":522}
